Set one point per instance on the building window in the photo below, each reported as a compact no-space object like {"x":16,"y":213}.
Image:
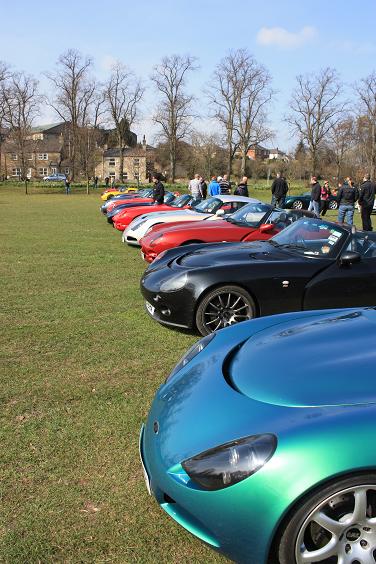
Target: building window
{"x":29,"y":173}
{"x":43,"y":171}
{"x":136,"y":162}
{"x":111,"y":162}
{"x":66,"y":171}
{"x":14,"y":157}
{"x":136,"y":176}
{"x":30,"y":156}
{"x":112,"y":174}
{"x":38,"y":136}
{"x":125,"y":176}
{"x":53,"y":170}
{"x":16,"y":172}
{"x":42,"y":156}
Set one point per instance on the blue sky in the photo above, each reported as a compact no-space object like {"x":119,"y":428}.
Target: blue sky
{"x":289,"y":38}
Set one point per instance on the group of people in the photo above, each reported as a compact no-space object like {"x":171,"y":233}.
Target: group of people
{"x":347,"y":196}
{"x":199,"y":188}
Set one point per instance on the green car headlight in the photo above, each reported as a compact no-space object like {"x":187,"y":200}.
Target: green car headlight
{"x":191,"y":353}
{"x":174,"y":283}
{"x":231,"y":462}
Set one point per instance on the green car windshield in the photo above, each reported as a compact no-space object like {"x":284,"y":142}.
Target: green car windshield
{"x":312,"y":238}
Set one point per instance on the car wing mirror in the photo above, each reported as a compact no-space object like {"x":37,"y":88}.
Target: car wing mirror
{"x":266,"y":227}
{"x":220,"y":213}
{"x":349,"y":257}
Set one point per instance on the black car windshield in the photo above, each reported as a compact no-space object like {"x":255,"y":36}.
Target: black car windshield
{"x":250,"y":215}
{"x":181,"y":201}
{"x":312,"y":238}
{"x":168,"y":198}
{"x":209,"y":206}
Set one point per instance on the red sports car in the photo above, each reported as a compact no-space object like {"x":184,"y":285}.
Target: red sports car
{"x":124,"y":218}
{"x":252,"y":222}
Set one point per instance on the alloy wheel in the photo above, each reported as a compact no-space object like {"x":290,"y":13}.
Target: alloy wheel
{"x":341,"y":529}
{"x":226,"y":309}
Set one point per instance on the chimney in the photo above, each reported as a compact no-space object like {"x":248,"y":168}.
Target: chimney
{"x":144,"y":143}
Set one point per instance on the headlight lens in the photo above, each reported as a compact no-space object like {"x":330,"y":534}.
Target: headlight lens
{"x":191,"y":353}
{"x":231,"y":462}
{"x":174,"y":283}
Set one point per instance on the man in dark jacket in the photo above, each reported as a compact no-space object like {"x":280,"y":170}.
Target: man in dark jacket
{"x":158,"y":190}
{"x":225,"y":185}
{"x":315,"y":197}
{"x":347,"y":195}
{"x":242,"y":188}
{"x":366,"y":201}
{"x":279,"y":191}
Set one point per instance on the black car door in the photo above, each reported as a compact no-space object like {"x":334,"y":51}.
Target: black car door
{"x":346,"y":285}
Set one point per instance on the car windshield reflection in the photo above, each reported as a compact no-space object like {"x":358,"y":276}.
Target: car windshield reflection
{"x":312,"y":237}
{"x":209,"y":206}
{"x":250,"y":215}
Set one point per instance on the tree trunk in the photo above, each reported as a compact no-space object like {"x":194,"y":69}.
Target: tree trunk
{"x":229,"y":161}
{"x":373,"y":142}
{"x":87,"y":185}
{"x":121,"y":159}
{"x":243,"y":161}
{"x":172,"y":164}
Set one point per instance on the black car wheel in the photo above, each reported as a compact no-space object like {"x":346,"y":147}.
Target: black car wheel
{"x":222,"y":307}
{"x":333,"y":205}
{"x":336,"y":524}
{"x":298,"y":205}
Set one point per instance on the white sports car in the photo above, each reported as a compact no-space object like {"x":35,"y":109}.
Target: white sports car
{"x":212,"y":208}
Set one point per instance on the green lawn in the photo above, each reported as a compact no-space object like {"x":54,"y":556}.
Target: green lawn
{"x":80,"y":363}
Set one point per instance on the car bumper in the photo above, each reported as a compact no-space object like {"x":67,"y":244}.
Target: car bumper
{"x":175,"y":309}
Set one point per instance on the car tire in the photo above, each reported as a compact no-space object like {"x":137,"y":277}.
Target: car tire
{"x":333,"y":205}
{"x":298,"y":204}
{"x":233,"y":303}
{"x":337,"y":503}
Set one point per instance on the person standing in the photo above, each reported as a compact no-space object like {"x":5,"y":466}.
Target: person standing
{"x":225,"y":185}
{"x":158,"y":190}
{"x":314,"y":204}
{"x":347,"y":196}
{"x":279,"y":191}
{"x":366,"y":201}
{"x":107,"y":181}
{"x":203,"y":187}
{"x":324,"y":198}
{"x":194,"y":187}
{"x":67,"y":186}
{"x":242,"y":188}
{"x":95,"y":181}
{"x":214,"y":188}
{"x":112,"y":181}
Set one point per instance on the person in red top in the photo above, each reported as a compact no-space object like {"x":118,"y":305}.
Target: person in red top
{"x":324,"y":198}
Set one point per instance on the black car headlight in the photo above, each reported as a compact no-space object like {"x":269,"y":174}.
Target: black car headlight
{"x":191,"y":353}
{"x":174,"y":283}
{"x":231,"y":462}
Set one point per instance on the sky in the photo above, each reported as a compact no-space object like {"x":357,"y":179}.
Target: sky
{"x":289,"y":38}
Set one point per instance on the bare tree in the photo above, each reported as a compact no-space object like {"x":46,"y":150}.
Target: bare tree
{"x":4,"y":76}
{"x":341,"y":140}
{"x":254,"y":92}
{"x":174,"y":112}
{"x":88,"y":135}
{"x":74,"y":94}
{"x":367,"y":94}
{"x":21,"y":103}
{"x":223,"y":93}
{"x":123,"y":93}
{"x":210,"y":157}
{"x":315,"y":109}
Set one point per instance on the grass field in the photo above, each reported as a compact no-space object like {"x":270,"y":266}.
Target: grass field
{"x":80,"y":363}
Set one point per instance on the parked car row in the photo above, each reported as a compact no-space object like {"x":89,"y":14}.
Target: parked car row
{"x":260,"y":441}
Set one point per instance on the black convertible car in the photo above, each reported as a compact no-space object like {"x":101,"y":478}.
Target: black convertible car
{"x":312,"y":264}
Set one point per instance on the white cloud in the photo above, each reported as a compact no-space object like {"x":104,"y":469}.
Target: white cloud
{"x":280,"y":37}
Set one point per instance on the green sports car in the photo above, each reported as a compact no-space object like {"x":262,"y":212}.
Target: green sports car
{"x":262,"y":440}
{"x":302,"y":201}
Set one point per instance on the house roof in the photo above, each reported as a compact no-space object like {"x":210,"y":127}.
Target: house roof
{"x":47,"y":145}
{"x":127,"y":152}
{"x":46,"y":127}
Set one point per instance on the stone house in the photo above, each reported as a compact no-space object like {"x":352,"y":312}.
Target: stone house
{"x":138,"y":163}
